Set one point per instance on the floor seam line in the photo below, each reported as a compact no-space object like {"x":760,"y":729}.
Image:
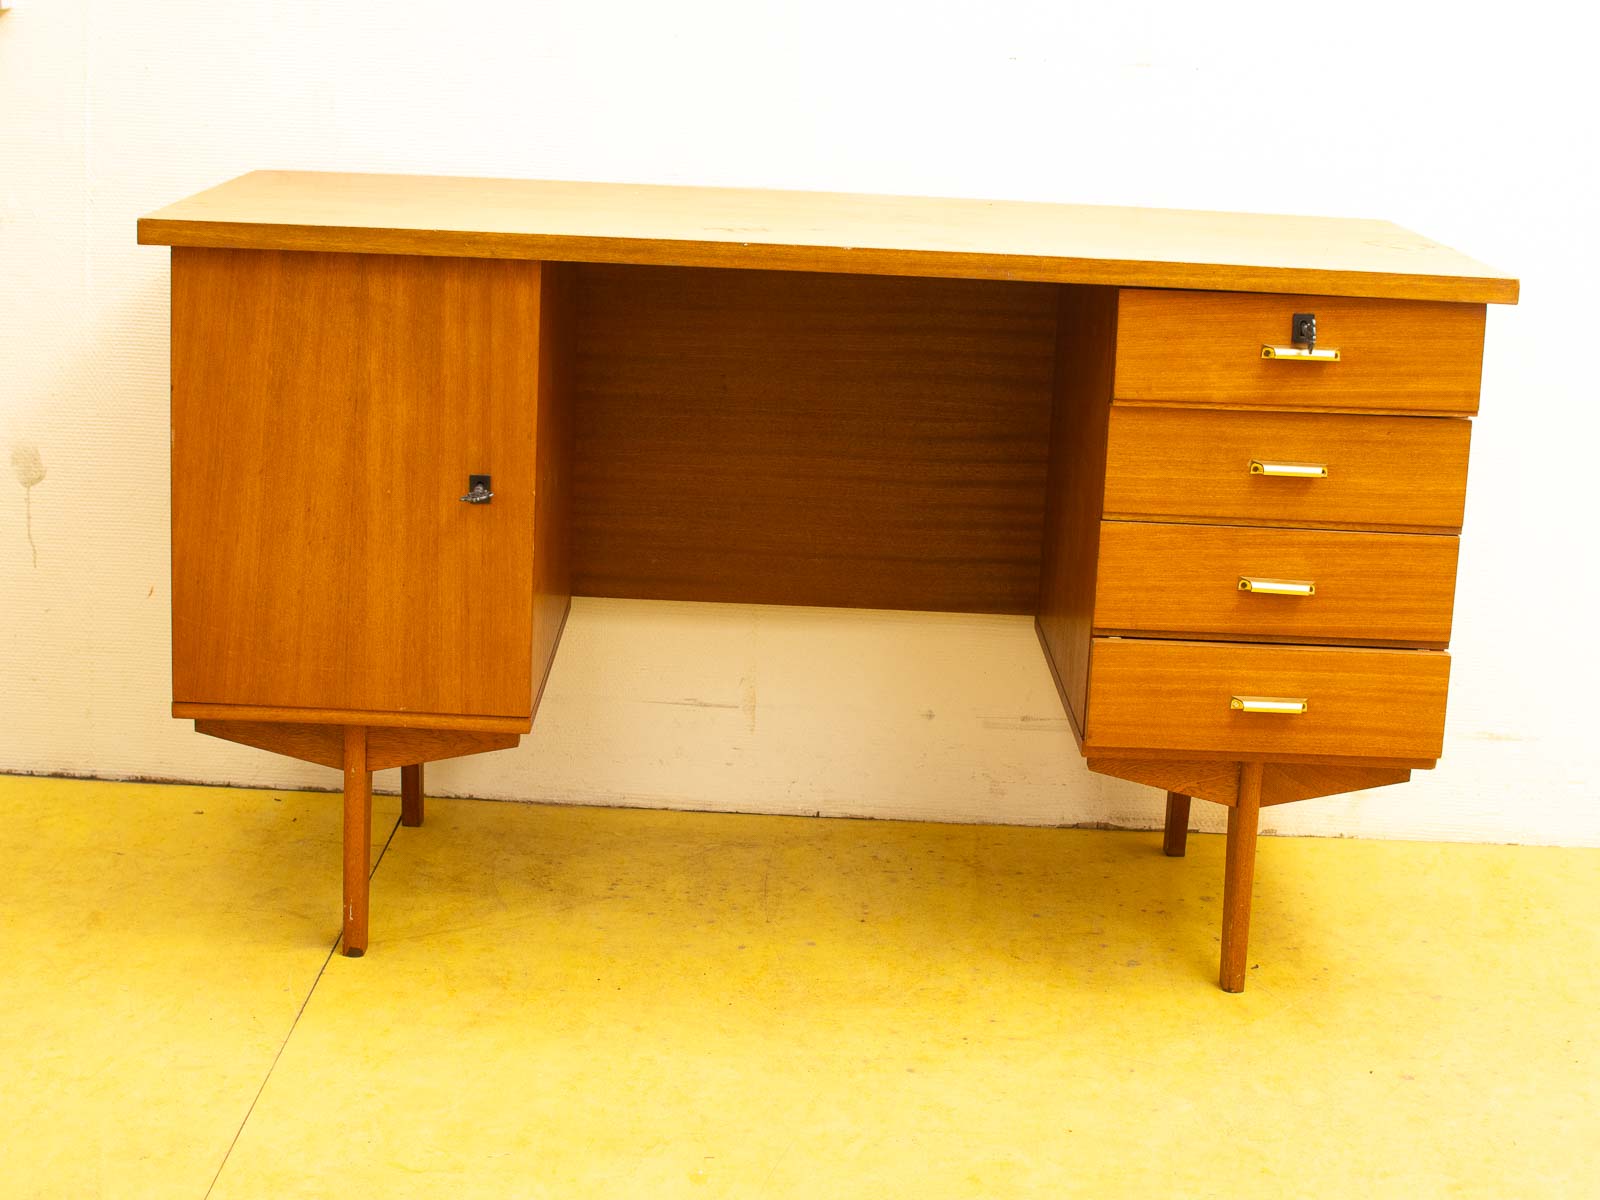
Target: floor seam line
{"x":293,"y":1025}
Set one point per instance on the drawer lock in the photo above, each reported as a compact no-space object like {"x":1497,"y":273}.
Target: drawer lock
{"x":480,"y":490}
{"x":1302,"y":345}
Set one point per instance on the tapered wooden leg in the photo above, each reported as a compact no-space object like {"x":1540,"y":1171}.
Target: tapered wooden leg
{"x":1239,"y":877}
{"x":357,"y":839}
{"x":411,"y":795}
{"x":1176,"y":838}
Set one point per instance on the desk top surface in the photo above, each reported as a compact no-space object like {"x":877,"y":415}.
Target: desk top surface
{"x":823,"y":231}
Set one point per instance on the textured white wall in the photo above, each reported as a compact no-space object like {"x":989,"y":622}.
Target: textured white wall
{"x":1475,"y":133}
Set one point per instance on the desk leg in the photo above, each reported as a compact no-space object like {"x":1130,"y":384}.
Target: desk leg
{"x":357,"y":839}
{"x":1176,"y":838}
{"x":411,"y":795}
{"x":1239,"y":877}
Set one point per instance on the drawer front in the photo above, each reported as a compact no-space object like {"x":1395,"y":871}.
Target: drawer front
{"x":1310,"y":584}
{"x":1177,"y":696}
{"x":1206,"y":348}
{"x":1407,"y":473}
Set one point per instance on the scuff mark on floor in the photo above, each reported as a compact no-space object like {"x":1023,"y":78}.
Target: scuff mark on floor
{"x":1027,"y":724}
{"x":29,"y":466}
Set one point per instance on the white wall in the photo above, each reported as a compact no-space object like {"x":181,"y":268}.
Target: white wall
{"x":1476,"y":133}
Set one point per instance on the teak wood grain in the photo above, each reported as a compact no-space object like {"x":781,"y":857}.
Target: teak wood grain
{"x":412,"y":802}
{"x":1183,"y":579}
{"x":235,"y":713}
{"x":1284,"y":783}
{"x":326,"y":412}
{"x":407,"y":747}
{"x":1281,"y":782}
{"x":810,"y":439}
{"x":357,"y":843}
{"x":386,"y":747}
{"x":1085,"y":344}
{"x":1217,"y":781}
{"x":1386,"y":704}
{"x":820,"y":231}
{"x":1175,"y":833}
{"x":553,"y":465}
{"x":1205,"y":348}
{"x":1238,"y":881}
{"x":1384,"y":473}
{"x":320,"y":744}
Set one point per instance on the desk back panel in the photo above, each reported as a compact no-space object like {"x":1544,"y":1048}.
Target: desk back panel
{"x":795,"y":438}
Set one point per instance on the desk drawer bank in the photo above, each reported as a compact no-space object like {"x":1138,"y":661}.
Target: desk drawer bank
{"x":1220,"y":460}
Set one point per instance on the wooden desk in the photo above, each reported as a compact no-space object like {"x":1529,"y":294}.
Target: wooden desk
{"x":1238,"y":543}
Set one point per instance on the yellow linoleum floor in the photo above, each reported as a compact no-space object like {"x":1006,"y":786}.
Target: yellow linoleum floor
{"x":564,"y":1002}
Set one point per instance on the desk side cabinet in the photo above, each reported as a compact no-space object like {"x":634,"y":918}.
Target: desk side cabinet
{"x":369,"y":456}
{"x":1251,"y":544}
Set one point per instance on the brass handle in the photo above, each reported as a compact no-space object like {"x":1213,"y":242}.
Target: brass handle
{"x":1288,"y":470}
{"x":1301,"y":353}
{"x":1284,"y":706}
{"x":1277,"y":587}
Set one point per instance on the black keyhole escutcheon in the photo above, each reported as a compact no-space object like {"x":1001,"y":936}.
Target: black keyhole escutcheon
{"x":1304,"y":330}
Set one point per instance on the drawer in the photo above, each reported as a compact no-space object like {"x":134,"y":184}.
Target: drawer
{"x":1407,"y":473}
{"x":1177,"y":696}
{"x":1206,"y":348}
{"x":1313,"y":585}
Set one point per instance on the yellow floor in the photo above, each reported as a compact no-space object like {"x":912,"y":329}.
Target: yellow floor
{"x":565,"y":1002}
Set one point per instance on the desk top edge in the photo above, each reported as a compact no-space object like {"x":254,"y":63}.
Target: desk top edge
{"x":652,"y":224}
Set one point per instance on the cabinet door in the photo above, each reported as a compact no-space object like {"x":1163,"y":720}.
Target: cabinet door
{"x":327,"y":410}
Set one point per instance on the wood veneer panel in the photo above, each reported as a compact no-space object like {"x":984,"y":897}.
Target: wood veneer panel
{"x":810,"y":439}
{"x":325,"y":744}
{"x":1165,"y":579}
{"x":1284,"y":783}
{"x":326,"y":412}
{"x":1218,"y":781}
{"x":817,"y":231}
{"x":553,"y":426}
{"x":322,"y":744}
{"x":1086,"y":342}
{"x":1206,"y":780}
{"x":1406,"y":473}
{"x":1205,"y":348}
{"x":344,"y":716}
{"x":1362,"y":705}
{"x":405,"y":747}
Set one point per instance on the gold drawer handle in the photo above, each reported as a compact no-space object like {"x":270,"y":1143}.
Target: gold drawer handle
{"x":1288,"y":470}
{"x":1277,"y":587}
{"x":1300,"y":353}
{"x":1288,"y":707}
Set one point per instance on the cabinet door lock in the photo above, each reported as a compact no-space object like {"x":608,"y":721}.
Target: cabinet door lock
{"x":1303,"y":328}
{"x":479,"y":490}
